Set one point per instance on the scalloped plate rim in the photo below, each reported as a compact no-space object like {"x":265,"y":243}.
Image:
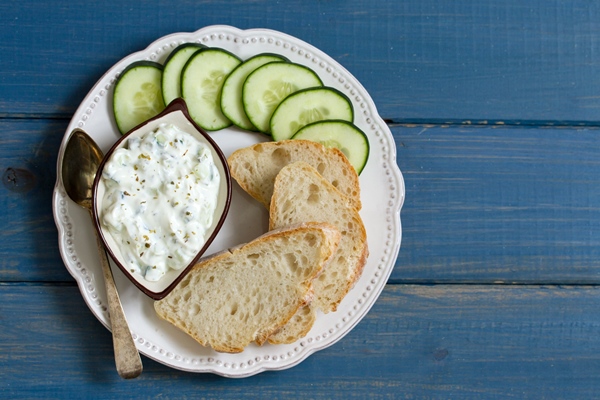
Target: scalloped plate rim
{"x":304,"y":53}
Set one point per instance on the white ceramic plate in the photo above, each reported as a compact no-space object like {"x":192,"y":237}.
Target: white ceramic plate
{"x":382,"y":189}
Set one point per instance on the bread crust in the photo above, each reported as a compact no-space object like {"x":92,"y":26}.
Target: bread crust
{"x":358,"y":238}
{"x":292,"y":331}
{"x":255,"y":167}
{"x":176,"y":306}
{"x":297,"y":327}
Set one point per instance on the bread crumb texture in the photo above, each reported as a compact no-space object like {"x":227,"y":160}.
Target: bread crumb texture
{"x":248,"y":293}
{"x":256,"y":167}
{"x":301,"y":194}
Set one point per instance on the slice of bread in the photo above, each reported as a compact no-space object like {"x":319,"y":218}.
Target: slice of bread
{"x":255,"y":167}
{"x":297,"y":327}
{"x":247,"y":293}
{"x":302,"y":195}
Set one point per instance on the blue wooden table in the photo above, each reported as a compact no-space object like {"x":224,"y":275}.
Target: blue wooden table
{"x":495,"y":112}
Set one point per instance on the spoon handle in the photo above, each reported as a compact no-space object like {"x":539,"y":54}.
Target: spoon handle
{"x":127,"y":357}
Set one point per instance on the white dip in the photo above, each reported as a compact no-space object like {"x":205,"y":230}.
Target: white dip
{"x":161,"y":195}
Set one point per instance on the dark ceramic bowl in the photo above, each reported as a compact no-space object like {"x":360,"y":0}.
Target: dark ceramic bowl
{"x":177,"y":114}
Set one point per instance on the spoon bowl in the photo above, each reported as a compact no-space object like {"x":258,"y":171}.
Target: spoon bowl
{"x":80,"y":162}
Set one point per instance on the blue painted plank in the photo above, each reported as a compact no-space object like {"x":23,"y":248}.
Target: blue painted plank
{"x":483,"y":204}
{"x":29,"y":239}
{"x":499,"y":204}
{"x":421,"y":60}
{"x":467,"y":342}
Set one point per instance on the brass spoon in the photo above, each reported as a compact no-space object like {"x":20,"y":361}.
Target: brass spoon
{"x":81,"y":159}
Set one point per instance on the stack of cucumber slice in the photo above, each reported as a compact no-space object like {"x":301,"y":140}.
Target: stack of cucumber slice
{"x":265,"y":93}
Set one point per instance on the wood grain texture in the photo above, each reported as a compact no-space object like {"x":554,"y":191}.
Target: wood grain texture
{"x":533,"y":60}
{"x":467,"y":342}
{"x":494,"y":110}
{"x":483,"y":204}
{"x":29,"y":238}
{"x":499,"y":204}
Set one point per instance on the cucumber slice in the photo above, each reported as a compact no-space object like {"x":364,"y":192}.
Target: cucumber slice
{"x":307,"y":106}
{"x":343,"y":135}
{"x":137,"y":95}
{"x":231,"y":95}
{"x":268,"y":85}
{"x":201,"y":83}
{"x":171,"y":79}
